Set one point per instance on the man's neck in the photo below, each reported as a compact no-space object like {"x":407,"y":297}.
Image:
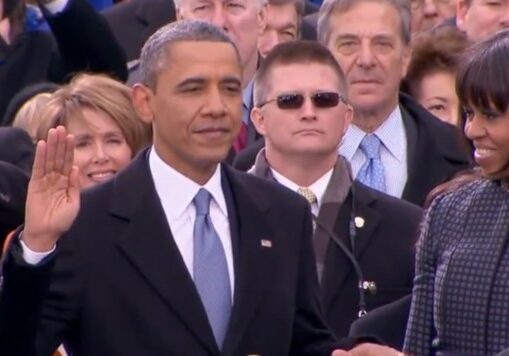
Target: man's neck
{"x":300,"y":169}
{"x":370,"y":120}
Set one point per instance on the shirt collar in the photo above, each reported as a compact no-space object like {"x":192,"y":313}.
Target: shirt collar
{"x":318,"y":187}
{"x":391,"y":133}
{"x":173,"y":185}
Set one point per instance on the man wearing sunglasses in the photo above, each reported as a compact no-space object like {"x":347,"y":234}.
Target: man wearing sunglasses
{"x":393,"y":144}
{"x":302,"y":110}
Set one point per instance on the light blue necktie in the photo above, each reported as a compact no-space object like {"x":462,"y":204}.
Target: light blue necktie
{"x":210,"y":269}
{"x":372,"y":171}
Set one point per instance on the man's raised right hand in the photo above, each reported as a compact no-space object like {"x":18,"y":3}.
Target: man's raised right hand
{"x":53,"y":198}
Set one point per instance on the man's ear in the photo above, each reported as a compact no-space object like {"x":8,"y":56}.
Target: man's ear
{"x":179,"y":14}
{"x":461,"y":14}
{"x":262,"y":18}
{"x":407,"y":58}
{"x":141,"y":97}
{"x":348,"y":117}
{"x":258,"y":120}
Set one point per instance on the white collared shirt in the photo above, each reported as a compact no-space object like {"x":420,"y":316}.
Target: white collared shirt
{"x":176,"y":193}
{"x":393,"y":151}
{"x":318,"y":187}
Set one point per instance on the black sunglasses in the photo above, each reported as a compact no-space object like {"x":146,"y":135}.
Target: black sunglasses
{"x":295,"y":100}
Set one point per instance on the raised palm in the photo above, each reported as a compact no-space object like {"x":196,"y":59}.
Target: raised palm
{"x":53,"y":192}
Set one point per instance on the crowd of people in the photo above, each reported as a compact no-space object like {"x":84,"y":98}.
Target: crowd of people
{"x":254,"y":177}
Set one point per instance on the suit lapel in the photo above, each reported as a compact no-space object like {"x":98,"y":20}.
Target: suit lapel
{"x":368,"y":220}
{"x":338,"y":266}
{"x":253,"y":256}
{"x":150,"y":247}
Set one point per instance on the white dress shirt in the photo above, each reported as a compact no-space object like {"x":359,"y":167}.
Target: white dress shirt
{"x":176,"y":193}
{"x":393,"y":151}
{"x":318,"y":187}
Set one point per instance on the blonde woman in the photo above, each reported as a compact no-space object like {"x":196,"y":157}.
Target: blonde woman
{"x":97,"y":110}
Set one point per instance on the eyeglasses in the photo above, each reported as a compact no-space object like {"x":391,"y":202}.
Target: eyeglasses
{"x":293,"y":101}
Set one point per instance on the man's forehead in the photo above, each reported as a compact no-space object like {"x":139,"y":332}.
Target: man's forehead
{"x":281,"y":75}
{"x":191,"y":53}
{"x":192,"y":2}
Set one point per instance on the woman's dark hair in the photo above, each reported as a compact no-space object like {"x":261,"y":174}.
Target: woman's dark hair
{"x":483,"y":75}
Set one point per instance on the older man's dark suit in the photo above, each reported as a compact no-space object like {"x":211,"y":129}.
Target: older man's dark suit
{"x":119,"y":285}
{"x":384,"y":249}
{"x":435,"y":152}
{"x":132,"y":22}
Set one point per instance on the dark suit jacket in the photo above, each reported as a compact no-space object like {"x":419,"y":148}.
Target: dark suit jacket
{"x":132,"y":22}
{"x":118,"y":284}
{"x":309,"y":27}
{"x":387,"y":323}
{"x":384,"y":248}
{"x":84,"y":42}
{"x":16,"y":156}
{"x":435,"y":151}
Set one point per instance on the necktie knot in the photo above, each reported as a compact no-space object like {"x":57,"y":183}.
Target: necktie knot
{"x":202,"y":202}
{"x":308,"y":194}
{"x":370,"y":145}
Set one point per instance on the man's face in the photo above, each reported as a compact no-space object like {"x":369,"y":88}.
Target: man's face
{"x":431,"y":12}
{"x":308,"y":130}
{"x":482,"y":18}
{"x":196,"y":107}
{"x":282,"y":25}
{"x":242,"y":20}
{"x":367,"y":42}
{"x":437,"y":11}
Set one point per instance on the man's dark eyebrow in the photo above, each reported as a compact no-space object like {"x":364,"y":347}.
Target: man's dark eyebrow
{"x":190,"y":81}
{"x":231,"y":80}
{"x":345,"y":36}
{"x":289,"y":26}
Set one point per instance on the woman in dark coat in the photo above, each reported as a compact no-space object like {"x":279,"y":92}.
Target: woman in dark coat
{"x":460,"y":302}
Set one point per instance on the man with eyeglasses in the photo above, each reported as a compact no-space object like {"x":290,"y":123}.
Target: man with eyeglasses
{"x":302,"y":110}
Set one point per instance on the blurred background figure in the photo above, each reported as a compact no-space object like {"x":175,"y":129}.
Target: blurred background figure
{"x":133,"y":21}
{"x":283,"y":23}
{"x":29,"y":115}
{"x":437,"y":11}
{"x":80,"y":40}
{"x":23,"y":96}
{"x":107,"y":132}
{"x":426,"y":14}
{"x":481,"y":18}
{"x":16,"y":157}
{"x":432,"y":72}
{"x":459,"y":303}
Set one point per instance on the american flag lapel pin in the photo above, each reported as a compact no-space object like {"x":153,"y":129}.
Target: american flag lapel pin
{"x":266,"y":243}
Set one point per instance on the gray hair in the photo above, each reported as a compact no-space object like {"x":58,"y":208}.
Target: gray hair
{"x":330,"y":6}
{"x":178,"y":3}
{"x":156,"y":50}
